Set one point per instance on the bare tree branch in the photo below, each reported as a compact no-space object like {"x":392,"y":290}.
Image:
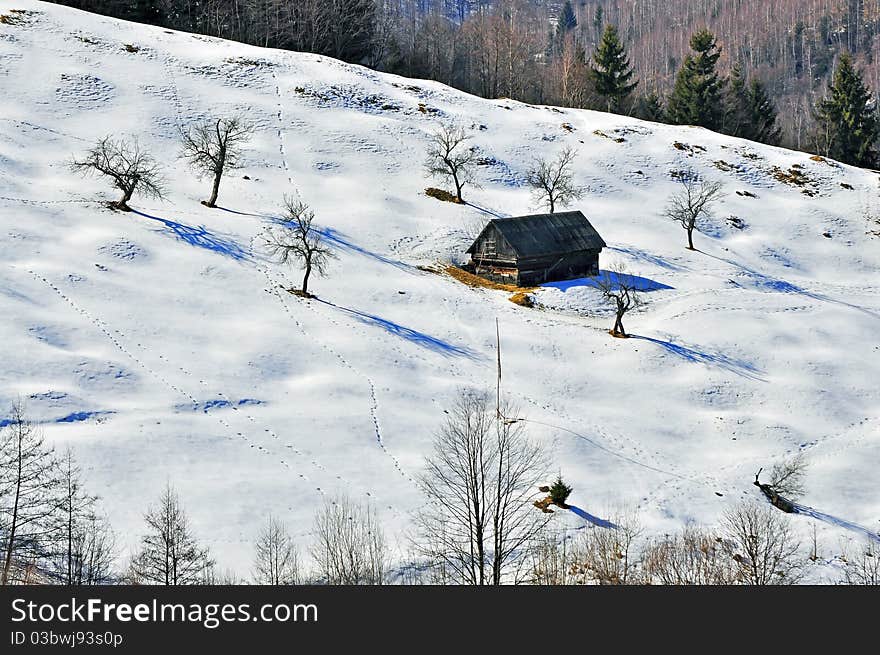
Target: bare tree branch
{"x":131,"y":169}
{"x":480,"y":483}
{"x":449,"y":158}
{"x":761,"y":541}
{"x":213,"y":148}
{"x":620,"y":289}
{"x":349,"y":546}
{"x":298,"y":240}
{"x":276,"y":561}
{"x":693,"y":203}
{"x":553,"y":181}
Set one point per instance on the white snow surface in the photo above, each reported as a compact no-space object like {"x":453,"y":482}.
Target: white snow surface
{"x":166,"y":341}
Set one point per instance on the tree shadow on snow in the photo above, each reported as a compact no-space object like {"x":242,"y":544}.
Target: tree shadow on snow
{"x":645,"y":256}
{"x":740,"y":367}
{"x":766,"y":282}
{"x":413,"y":336}
{"x":334,"y":237}
{"x":639,"y":283}
{"x":342,"y":241}
{"x":589,"y":518}
{"x":201,"y":237}
{"x":833,"y":520}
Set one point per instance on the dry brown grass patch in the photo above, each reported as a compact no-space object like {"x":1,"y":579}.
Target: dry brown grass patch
{"x":442,"y":194}
{"x":476,"y":281}
{"x":522,"y":299}
{"x":17,"y":17}
{"x":544,"y":505}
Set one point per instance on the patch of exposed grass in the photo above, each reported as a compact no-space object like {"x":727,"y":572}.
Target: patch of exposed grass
{"x":131,"y":48}
{"x":794,"y":176}
{"x":17,"y":17}
{"x":544,"y":505}
{"x":476,"y":281}
{"x":688,"y":148}
{"x":247,"y":61}
{"x":442,"y":194}
{"x":522,"y":299}
{"x":616,"y":139}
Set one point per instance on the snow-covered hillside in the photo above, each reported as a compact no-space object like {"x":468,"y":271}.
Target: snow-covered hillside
{"x":160,"y":344}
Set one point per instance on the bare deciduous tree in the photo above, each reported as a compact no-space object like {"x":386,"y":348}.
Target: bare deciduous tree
{"x":298,"y":239}
{"x":553,"y":559}
{"x":450,"y":158}
{"x":553,"y":181}
{"x":480,"y":482}
{"x":620,"y":289}
{"x":787,"y":477}
{"x":609,"y":556}
{"x":170,"y":554}
{"x":693,"y":557}
{"x":760,"y":540}
{"x":864,"y":567}
{"x":693,"y":203}
{"x":349,"y":547}
{"x":276,"y":561}
{"x":85,"y":544}
{"x":786,"y":482}
{"x":28,"y":495}
{"x":213,"y":148}
{"x":131,"y":169}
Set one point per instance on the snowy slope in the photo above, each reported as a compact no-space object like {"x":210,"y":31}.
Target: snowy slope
{"x":160,"y":345}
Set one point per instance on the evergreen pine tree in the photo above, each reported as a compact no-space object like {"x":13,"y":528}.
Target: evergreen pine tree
{"x":566,"y":21}
{"x":736,"y":114}
{"x":611,"y":71}
{"x":598,"y":19}
{"x":748,"y":111}
{"x":696,"y":98}
{"x":846,"y":119}
{"x":650,"y":108}
{"x":762,"y":115}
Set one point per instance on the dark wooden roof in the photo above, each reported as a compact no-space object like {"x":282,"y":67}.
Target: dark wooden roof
{"x":542,"y":235}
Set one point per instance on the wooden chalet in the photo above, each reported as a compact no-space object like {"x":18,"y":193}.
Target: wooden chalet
{"x":532,"y":250}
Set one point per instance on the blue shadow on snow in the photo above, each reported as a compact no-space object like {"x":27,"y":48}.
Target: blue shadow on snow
{"x":334,"y":237}
{"x":75,"y":417}
{"x":768,"y":283}
{"x":740,"y":367}
{"x":639,"y":283}
{"x":413,"y":336}
{"x":645,"y":256}
{"x":342,"y":241}
{"x":218,"y":403}
{"x":589,"y":518}
{"x":78,"y":417}
{"x":201,"y":237}
{"x":833,"y":520}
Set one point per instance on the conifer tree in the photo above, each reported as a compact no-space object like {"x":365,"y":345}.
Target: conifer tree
{"x":696,"y":98}
{"x":748,"y":112}
{"x":762,"y":115}
{"x":566,"y":23}
{"x":650,"y":108}
{"x":611,"y":71}
{"x":735,"y":104}
{"x":846,"y":119}
{"x":567,"y":20}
